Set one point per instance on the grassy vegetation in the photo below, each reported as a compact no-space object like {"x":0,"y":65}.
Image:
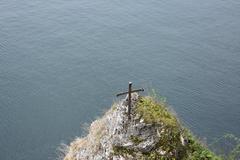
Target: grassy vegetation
{"x":197,"y":151}
{"x":157,"y":113}
{"x":154,"y":112}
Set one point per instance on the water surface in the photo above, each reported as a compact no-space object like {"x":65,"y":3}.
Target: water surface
{"x":61,"y":63}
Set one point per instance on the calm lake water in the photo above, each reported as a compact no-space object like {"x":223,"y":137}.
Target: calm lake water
{"x":62,"y":62}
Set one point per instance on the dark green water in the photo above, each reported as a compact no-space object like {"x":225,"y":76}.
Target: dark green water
{"x":61,"y":63}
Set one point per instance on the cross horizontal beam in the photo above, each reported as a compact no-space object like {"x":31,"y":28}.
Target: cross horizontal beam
{"x":130,"y":91}
{"x":136,"y":90}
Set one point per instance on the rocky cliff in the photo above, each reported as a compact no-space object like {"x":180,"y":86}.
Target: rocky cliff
{"x":152,"y":132}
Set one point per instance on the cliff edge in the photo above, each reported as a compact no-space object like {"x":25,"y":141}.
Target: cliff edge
{"x":151,"y":133}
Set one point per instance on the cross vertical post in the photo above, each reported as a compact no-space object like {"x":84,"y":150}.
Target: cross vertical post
{"x":129,"y":98}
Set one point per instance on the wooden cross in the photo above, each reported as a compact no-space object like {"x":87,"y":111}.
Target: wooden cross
{"x":129,"y":96}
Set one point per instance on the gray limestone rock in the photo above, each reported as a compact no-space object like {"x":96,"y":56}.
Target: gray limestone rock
{"x":116,"y":130}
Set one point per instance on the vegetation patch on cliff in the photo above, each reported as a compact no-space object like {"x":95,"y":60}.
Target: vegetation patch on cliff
{"x":169,"y":144}
{"x":152,"y":133}
{"x":154,"y":112}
